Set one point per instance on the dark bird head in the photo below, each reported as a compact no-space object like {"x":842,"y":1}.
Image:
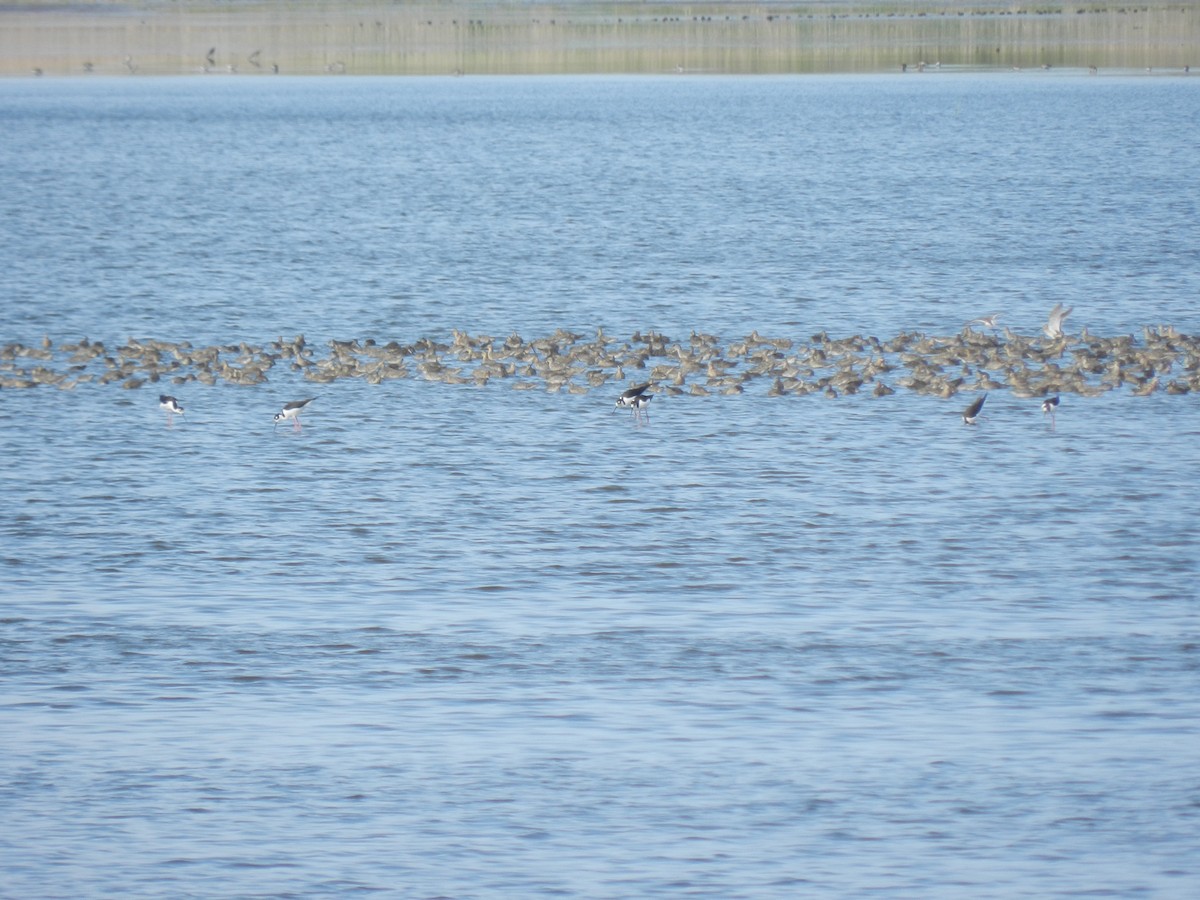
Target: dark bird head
{"x":628,"y":398}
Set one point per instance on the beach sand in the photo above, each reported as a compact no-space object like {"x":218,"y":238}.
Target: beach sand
{"x":374,"y":38}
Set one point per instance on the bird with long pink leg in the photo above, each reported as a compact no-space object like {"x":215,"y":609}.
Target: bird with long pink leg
{"x":171,"y":407}
{"x":291,"y":410}
{"x":1049,"y":405}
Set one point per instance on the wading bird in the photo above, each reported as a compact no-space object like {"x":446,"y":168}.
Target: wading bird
{"x":971,"y":413}
{"x":292,"y":411}
{"x":635,"y":399}
{"x":170,"y":406}
{"x":1049,"y":405}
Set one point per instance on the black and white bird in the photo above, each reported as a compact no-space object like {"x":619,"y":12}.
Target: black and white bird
{"x":1049,"y":405}
{"x":971,"y":413}
{"x":170,"y":406}
{"x":635,"y":399}
{"x":291,"y":411}
{"x":639,"y":404}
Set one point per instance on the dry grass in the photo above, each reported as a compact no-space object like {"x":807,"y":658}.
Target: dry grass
{"x":160,"y":38}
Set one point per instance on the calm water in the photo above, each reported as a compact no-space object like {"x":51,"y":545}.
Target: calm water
{"x":476,"y":642}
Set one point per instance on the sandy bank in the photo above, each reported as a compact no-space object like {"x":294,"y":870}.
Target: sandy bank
{"x":298,"y":38}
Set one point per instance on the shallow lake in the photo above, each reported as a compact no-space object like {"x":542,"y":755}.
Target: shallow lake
{"x":452,"y":640}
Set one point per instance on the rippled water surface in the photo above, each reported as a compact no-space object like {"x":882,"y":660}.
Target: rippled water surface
{"x":465,"y":641}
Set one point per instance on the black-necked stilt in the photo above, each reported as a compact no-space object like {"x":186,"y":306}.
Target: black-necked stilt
{"x":292,"y":411}
{"x":170,"y":406}
{"x":1053,"y":326}
{"x":634,"y":399}
{"x":971,"y":413}
{"x":1049,"y":405}
{"x":640,"y":403}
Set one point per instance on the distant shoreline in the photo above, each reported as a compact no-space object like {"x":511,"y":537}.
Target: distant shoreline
{"x":465,"y":38}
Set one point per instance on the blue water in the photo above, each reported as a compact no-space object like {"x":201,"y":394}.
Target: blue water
{"x":465,"y":641}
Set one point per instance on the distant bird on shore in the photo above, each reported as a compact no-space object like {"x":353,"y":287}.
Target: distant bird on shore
{"x":971,"y":414}
{"x":634,"y":399}
{"x":1058,"y":315}
{"x":291,"y":410}
{"x":170,"y":406}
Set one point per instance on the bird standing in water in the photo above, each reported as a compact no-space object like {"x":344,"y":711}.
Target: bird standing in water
{"x":971,"y":414}
{"x":291,"y":411}
{"x":635,"y":399}
{"x":1049,"y":405}
{"x":170,"y":406}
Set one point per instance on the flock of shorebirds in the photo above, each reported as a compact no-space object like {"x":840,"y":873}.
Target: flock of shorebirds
{"x":984,"y":356}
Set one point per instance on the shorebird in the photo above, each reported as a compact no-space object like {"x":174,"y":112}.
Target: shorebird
{"x":1049,"y":405}
{"x":634,"y":399}
{"x":986,"y":321}
{"x":639,"y":404}
{"x":971,"y":413}
{"x":1053,"y":326}
{"x":292,"y":411}
{"x":170,"y":406}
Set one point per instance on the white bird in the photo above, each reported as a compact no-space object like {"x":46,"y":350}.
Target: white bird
{"x":986,"y":321}
{"x":1058,"y":315}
